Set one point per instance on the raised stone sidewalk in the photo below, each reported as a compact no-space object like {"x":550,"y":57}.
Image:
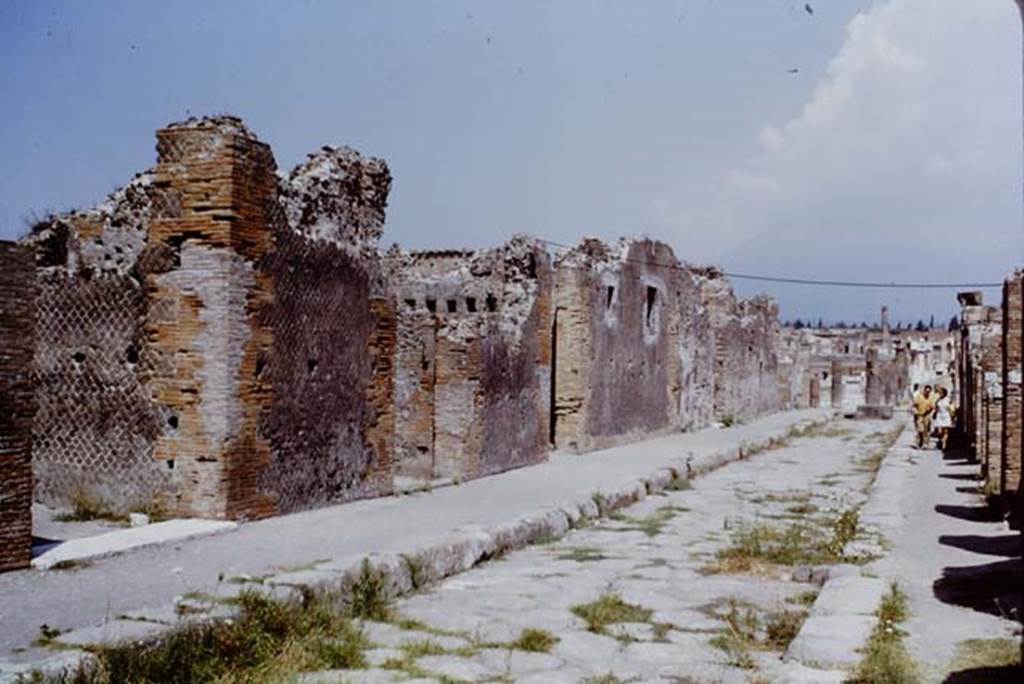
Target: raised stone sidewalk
{"x":415,"y":539}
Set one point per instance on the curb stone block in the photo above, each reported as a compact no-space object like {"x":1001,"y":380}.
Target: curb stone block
{"x":112,"y":633}
{"x":831,"y":641}
{"x":58,"y":666}
{"x":850,"y":596}
{"x":304,"y":579}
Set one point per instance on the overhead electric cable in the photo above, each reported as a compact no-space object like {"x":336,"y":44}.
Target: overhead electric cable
{"x":811,"y":281}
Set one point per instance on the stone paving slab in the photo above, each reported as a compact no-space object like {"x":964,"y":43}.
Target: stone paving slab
{"x":850,"y":595}
{"x":443,"y":532}
{"x":122,"y":540}
{"x":831,"y":641}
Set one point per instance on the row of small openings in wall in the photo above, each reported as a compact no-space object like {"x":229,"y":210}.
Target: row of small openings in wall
{"x":131,"y":354}
{"x":452,"y":305}
{"x":650,"y":304}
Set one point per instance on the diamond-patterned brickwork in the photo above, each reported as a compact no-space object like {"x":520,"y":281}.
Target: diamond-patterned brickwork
{"x":96,"y":423}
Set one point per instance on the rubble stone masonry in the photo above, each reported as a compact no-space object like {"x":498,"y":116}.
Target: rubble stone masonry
{"x":17,"y":404}
{"x":473,"y":384}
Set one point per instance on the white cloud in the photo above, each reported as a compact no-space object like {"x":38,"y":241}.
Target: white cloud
{"x":907,"y":155}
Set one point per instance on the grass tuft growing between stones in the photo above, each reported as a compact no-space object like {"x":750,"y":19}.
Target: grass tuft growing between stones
{"x":610,"y":609}
{"x":369,"y":597}
{"x":747,"y":630}
{"x":651,"y":525}
{"x":995,"y":660}
{"x":886,"y":660}
{"x":758,"y":547}
{"x":535,"y":641}
{"x":582,"y":554}
{"x":267,"y":641}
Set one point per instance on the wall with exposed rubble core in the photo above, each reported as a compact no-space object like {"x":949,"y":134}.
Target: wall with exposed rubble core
{"x":746,"y":341}
{"x":473,"y":360}
{"x":17,"y":404}
{"x":188,"y":351}
{"x":632,"y":352}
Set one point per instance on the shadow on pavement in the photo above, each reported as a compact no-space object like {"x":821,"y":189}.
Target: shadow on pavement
{"x":992,"y":588}
{"x":1010,"y":674}
{"x":1007,"y":545}
{"x":959,"y":476}
{"x":972,"y":513}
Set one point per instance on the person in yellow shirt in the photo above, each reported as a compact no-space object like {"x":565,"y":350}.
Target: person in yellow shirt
{"x":924,"y":409}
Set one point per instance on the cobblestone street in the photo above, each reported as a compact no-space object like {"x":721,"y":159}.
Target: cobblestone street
{"x":666,"y":590}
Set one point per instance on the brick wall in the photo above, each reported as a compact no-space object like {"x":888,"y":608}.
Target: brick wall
{"x":17,"y":404}
{"x":1013,"y":404}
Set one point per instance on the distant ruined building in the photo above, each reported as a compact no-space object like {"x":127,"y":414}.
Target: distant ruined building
{"x":219,"y":340}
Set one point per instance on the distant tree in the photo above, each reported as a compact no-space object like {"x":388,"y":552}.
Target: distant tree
{"x":798,"y":324}
{"x":954,"y":323}
{"x":920,"y":327}
{"x":931,"y":322}
{"x":821,"y":323}
{"x":841,"y":324}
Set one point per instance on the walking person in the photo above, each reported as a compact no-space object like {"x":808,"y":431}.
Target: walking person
{"x":944,"y":411}
{"x":924,"y":408}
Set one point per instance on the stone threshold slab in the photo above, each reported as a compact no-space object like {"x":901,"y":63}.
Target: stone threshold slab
{"x":112,"y":543}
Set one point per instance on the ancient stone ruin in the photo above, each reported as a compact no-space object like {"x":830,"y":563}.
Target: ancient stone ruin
{"x":991,"y":364}
{"x":220,"y":340}
{"x":189,"y":329}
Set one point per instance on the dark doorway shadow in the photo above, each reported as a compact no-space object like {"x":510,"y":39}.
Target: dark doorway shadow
{"x":992,"y":588}
{"x":959,"y":476}
{"x":972,"y":513}
{"x":41,"y":545}
{"x":1009,"y":674}
{"x":1007,"y":545}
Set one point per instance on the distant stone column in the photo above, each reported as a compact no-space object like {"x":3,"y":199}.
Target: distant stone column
{"x":837,"y":384}
{"x":814,"y":399}
{"x":872,"y":384}
{"x":17,"y":403}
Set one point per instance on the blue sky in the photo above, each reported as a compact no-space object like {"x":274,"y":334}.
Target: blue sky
{"x":893,"y":152}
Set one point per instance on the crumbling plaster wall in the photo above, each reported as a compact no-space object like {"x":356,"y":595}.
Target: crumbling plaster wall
{"x":633,"y":352}
{"x":746,"y":341}
{"x":473,"y":360}
{"x":17,"y":403}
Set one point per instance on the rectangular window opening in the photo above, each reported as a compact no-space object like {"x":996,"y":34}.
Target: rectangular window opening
{"x":609,"y":297}
{"x":652,"y":299}
{"x":471,"y":304}
{"x":432,"y":305}
{"x":453,"y":305}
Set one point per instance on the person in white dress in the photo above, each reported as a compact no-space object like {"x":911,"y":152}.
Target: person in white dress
{"x":943,"y":417}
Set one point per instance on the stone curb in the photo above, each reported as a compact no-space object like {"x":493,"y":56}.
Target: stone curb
{"x":843,"y":615}
{"x":404,"y":573}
